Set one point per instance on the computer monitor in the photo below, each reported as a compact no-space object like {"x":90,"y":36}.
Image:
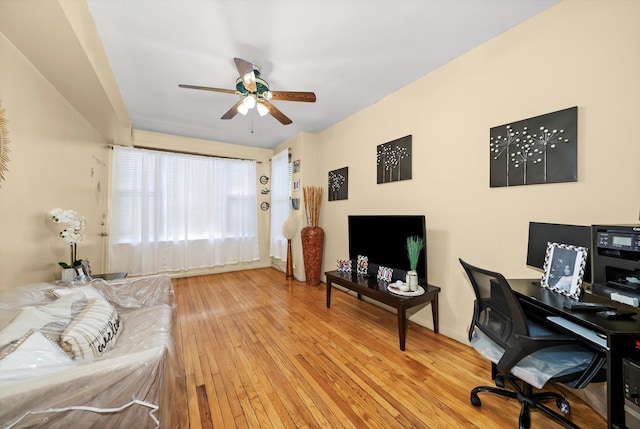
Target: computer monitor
{"x":541,"y":233}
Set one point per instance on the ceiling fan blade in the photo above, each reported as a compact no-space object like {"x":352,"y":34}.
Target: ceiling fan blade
{"x":208,"y":88}
{"x":232,"y":112}
{"x":308,"y":97}
{"x":245,"y":68}
{"x":273,"y":111}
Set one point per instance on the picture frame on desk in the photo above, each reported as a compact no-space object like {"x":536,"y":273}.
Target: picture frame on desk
{"x":564,"y":266}
{"x":82,"y":272}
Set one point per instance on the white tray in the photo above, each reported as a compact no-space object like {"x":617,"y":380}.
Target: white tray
{"x":392,"y":288}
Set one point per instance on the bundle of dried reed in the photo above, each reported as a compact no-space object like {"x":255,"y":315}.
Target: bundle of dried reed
{"x":312,"y":203}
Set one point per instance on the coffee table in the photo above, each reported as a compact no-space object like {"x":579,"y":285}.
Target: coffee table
{"x":377,"y":291}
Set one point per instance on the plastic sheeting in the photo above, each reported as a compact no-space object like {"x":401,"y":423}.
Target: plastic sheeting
{"x":138,"y":382}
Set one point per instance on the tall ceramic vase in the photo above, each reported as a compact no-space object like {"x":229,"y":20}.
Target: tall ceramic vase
{"x":312,"y":244}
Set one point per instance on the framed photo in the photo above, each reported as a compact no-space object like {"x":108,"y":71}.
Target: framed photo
{"x":362,"y":265}
{"x":87,"y":267}
{"x":81,"y":272}
{"x":564,"y":269}
{"x":296,"y":185}
{"x":295,"y":203}
{"x":344,"y":265}
{"x":296,"y":166}
{"x":385,"y":273}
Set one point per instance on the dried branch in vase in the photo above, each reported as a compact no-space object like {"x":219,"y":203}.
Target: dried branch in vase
{"x":312,"y":204}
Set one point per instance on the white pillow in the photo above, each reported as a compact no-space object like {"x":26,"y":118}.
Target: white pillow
{"x":36,"y":317}
{"x":88,"y":291}
{"x":93,"y":331}
{"x":34,"y":350}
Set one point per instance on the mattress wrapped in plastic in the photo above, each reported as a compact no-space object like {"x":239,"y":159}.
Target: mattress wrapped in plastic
{"x":100,"y":353}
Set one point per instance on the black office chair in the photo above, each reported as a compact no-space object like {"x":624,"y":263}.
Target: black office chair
{"x":524,"y":353}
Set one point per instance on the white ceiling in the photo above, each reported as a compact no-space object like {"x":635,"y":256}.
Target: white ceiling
{"x":351,"y":53}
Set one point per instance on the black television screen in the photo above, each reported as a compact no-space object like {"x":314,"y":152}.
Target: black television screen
{"x":383,"y":239}
{"x":541,"y":233}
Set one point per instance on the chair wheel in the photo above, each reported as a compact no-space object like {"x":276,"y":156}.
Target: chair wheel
{"x":500,"y":381}
{"x":475,"y":400}
{"x":563,"y":405}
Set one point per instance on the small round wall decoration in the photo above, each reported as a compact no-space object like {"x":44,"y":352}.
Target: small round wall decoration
{"x":265,"y":206}
{"x":264,"y":180}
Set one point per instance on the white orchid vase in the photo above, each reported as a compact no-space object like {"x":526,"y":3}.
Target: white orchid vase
{"x":72,"y":234}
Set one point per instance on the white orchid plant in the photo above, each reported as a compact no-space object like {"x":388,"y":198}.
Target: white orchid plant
{"x":72,"y":234}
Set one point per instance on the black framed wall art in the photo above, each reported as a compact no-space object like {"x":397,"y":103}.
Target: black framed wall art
{"x":393,"y":160}
{"x":339,"y":184}
{"x":542,"y":149}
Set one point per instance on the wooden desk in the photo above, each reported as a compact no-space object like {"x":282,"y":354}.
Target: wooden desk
{"x":371,"y":288}
{"x":623,"y":336}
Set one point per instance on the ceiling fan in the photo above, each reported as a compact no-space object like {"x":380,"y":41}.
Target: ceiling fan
{"x":254,"y":92}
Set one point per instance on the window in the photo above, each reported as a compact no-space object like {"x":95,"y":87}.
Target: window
{"x":172,"y":212}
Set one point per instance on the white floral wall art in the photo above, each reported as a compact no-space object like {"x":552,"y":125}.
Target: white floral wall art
{"x":393,"y":160}
{"x":542,"y":149}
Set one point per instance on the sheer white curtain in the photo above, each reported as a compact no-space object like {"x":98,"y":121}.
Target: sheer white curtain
{"x":173,"y":212}
{"x":280,"y":202}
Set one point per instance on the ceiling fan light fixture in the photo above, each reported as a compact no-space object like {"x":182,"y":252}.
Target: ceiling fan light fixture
{"x":243,"y":109}
{"x":249,"y":102}
{"x":262,"y":109}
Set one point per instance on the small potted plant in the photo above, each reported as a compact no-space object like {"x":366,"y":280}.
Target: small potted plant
{"x":415,"y":245}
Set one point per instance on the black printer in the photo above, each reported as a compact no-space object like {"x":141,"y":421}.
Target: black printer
{"x":616,"y":262}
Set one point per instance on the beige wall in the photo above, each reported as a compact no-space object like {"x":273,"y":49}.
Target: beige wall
{"x":57,"y":160}
{"x":582,"y":53}
{"x":62,"y":107}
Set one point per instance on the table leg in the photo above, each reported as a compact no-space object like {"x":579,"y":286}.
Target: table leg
{"x":402,"y":326}
{"x":434,"y":313}
{"x":328,"y":294}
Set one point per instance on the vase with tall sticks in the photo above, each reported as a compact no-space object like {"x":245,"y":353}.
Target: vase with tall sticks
{"x":312,"y":235}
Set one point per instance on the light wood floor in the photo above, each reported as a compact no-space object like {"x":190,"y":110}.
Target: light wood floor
{"x":263,"y":352}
